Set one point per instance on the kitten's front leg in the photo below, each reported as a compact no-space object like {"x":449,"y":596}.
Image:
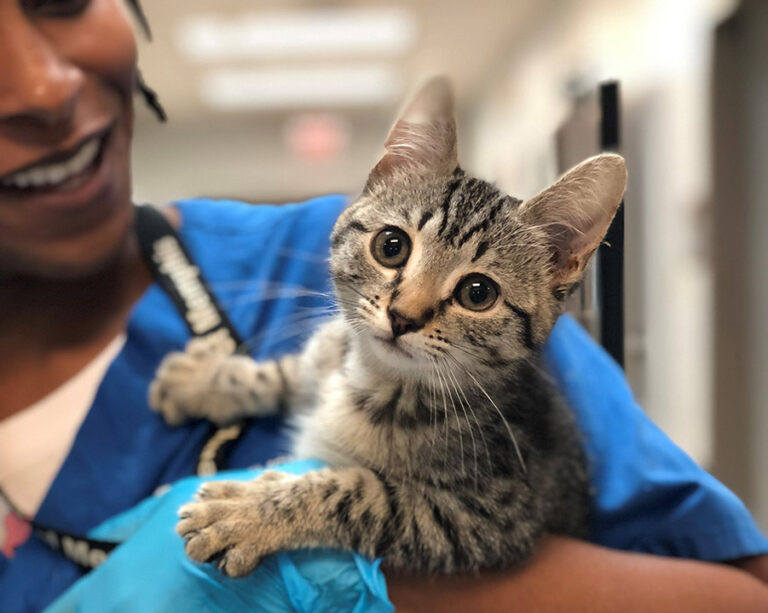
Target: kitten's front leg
{"x":413,"y":527}
{"x":237,"y":523}
{"x":207,"y":381}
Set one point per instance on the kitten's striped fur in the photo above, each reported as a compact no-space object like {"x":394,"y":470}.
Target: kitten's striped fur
{"x":449,"y":450}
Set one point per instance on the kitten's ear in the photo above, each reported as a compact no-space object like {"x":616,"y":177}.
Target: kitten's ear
{"x":423,"y":139}
{"x":576,"y":212}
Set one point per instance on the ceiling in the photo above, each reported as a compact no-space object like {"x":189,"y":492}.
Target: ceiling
{"x":465,"y":39}
{"x":470,"y":41}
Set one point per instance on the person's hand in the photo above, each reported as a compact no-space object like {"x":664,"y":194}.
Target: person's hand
{"x":150,"y":572}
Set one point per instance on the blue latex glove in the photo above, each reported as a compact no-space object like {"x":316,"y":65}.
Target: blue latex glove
{"x":150,"y":572}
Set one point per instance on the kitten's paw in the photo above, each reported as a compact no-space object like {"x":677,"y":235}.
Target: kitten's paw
{"x":223,"y":534}
{"x":229,"y":525}
{"x":184,"y":386}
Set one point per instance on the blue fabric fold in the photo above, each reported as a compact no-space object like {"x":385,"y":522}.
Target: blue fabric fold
{"x":649,"y":495}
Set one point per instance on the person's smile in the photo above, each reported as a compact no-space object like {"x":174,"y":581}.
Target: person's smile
{"x":66,"y":117}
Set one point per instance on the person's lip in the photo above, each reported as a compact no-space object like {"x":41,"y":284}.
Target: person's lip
{"x":76,"y":191}
{"x":61,"y":154}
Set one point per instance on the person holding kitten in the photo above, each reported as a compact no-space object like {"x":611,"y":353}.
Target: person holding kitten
{"x":85,"y":325}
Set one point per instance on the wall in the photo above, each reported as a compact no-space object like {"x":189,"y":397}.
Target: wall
{"x":660,"y":52}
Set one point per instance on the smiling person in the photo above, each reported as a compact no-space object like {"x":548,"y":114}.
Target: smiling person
{"x":84,"y":323}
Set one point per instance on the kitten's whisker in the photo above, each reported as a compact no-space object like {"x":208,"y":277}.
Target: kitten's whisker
{"x":506,"y":423}
{"x":459,"y":394}
{"x":458,"y":425}
{"x":348,"y":305}
{"x":253,"y":298}
{"x":330,"y":310}
{"x":299,"y":324}
{"x":266,"y":291}
{"x":438,"y":383}
{"x":324,"y":307}
{"x":435,"y":427}
{"x":474,"y":353}
{"x":293,"y":320}
{"x":238,"y":284}
{"x":358,"y":292}
{"x":307,"y":256}
{"x":479,"y":427}
{"x":441,"y":379}
{"x":365,"y":316}
{"x":432,"y":416}
{"x":482,"y":437}
{"x":349,"y":309}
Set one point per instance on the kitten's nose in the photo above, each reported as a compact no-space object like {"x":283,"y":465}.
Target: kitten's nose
{"x":402,"y":324}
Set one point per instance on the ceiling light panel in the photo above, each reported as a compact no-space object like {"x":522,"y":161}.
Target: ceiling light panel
{"x":329,"y":86}
{"x":384,"y":31}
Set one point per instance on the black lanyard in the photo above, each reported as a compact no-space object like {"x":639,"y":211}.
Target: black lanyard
{"x":177,"y":275}
{"x":86,"y":552}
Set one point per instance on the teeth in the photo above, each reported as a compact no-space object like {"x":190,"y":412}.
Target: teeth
{"x":53,"y":174}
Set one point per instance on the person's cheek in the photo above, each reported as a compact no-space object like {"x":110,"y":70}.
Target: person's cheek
{"x":101,"y":41}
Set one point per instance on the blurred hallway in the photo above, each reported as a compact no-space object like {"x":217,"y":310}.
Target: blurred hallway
{"x":278,"y":101}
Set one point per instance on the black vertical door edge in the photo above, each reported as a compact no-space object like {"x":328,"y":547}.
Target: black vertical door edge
{"x":611,"y":253}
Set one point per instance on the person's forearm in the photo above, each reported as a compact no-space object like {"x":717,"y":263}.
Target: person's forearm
{"x":569,"y":575}
{"x":754,"y":565}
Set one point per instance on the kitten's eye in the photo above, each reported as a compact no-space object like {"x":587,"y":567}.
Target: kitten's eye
{"x":476,"y":292}
{"x":391,"y":247}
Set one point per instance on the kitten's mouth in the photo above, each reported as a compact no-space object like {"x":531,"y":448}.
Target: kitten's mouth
{"x":392,"y":345}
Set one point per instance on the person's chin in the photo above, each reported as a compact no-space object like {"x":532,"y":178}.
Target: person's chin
{"x":80,"y":257}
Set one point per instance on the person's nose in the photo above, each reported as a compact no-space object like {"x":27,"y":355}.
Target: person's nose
{"x":36,"y":82}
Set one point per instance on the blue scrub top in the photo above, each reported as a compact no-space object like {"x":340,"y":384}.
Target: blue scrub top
{"x":649,"y":496}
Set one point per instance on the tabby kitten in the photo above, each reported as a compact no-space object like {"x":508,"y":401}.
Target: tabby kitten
{"x":449,"y":450}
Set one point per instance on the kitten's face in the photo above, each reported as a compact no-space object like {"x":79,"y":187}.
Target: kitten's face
{"x":440,"y":270}
{"x":434,"y":267}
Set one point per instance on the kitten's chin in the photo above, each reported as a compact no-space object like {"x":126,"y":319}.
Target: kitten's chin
{"x":394,"y":356}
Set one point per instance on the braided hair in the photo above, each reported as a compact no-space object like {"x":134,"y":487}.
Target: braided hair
{"x":149,"y":94}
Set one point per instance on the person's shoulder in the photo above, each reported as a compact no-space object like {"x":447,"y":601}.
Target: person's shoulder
{"x":232,"y":218}
{"x":231,"y":240}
